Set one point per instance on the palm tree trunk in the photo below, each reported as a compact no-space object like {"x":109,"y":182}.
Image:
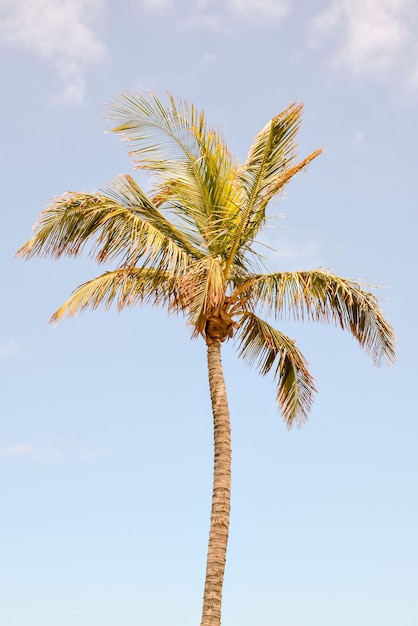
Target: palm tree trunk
{"x":221,"y":496}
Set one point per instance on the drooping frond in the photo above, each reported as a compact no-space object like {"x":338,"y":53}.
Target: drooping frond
{"x":194,"y":168}
{"x":264,"y":346}
{"x":120,"y":224}
{"x":125,"y":287}
{"x":324,"y":297}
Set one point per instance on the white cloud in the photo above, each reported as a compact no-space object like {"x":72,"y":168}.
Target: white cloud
{"x":9,"y":348}
{"x":25,"y":450}
{"x":372,"y":36}
{"x":60,"y":32}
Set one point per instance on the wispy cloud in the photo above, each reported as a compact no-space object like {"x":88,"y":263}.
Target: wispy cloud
{"x":372,"y":37}
{"x":78,"y":451}
{"x":25,"y":450}
{"x":62,"y":32}
{"x":9,"y":348}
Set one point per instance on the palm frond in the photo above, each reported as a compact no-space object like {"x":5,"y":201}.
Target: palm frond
{"x":121,"y":223}
{"x":163,"y":142}
{"x":321,"y":296}
{"x":268,"y":167}
{"x":125,"y":191}
{"x":258,"y":217}
{"x":219,"y":174}
{"x":125,"y":287}
{"x":264,"y":346}
{"x":191,"y":162}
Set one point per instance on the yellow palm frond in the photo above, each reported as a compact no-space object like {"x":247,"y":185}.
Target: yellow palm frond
{"x":125,"y":287}
{"x":119,"y":224}
{"x":264,"y":346}
{"x":321,"y":296}
{"x":125,"y":191}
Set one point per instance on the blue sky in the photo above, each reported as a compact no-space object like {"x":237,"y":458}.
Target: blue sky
{"x":105,"y":423}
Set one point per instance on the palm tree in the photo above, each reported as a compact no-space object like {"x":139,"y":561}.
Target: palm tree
{"x":188,"y":246}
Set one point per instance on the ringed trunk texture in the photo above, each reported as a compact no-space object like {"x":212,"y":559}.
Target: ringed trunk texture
{"x":221,"y":496}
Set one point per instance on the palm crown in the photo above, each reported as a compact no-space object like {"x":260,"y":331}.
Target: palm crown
{"x":188,"y":244}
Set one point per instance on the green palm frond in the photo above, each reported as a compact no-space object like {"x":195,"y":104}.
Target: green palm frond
{"x":219,"y":173}
{"x":120,"y":224}
{"x":125,"y":287}
{"x":269,"y":166}
{"x":264,"y":346}
{"x":321,"y":296}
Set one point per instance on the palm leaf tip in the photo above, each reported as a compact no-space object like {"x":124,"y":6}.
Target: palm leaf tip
{"x":125,"y":287}
{"x":24,"y":252}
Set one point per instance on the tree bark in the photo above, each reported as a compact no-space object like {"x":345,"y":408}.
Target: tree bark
{"x":221,"y":496}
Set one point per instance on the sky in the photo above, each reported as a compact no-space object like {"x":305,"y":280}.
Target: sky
{"x":105,"y":419}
